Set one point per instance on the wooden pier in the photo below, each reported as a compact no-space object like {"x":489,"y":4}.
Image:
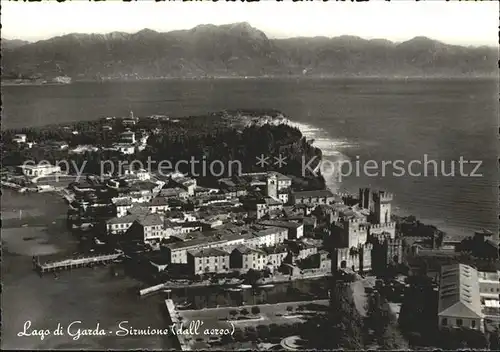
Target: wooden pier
{"x":73,"y":263}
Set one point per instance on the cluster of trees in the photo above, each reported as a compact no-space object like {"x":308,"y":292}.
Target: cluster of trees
{"x":343,"y":327}
{"x":417,"y":317}
{"x":340,"y":328}
{"x":410,"y":226}
{"x":381,"y":323}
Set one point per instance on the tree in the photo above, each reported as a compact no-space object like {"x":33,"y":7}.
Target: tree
{"x":392,"y":339}
{"x":255,"y":310}
{"x":233,"y":313}
{"x":244,"y":311}
{"x":239,"y":335}
{"x":377,"y":314}
{"x":252,"y":276}
{"x":344,"y":318}
{"x":289,"y":308}
{"x":383,"y":322}
{"x":494,"y":340}
{"x":251,"y":333}
{"x":263,"y":331}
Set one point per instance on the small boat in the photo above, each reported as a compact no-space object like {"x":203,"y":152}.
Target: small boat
{"x":245,"y":286}
{"x":96,"y":241}
{"x":234,"y":289}
{"x":266,"y":286}
{"x":184,"y":305}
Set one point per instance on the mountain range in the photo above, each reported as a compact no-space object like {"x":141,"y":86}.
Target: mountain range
{"x":237,"y":50}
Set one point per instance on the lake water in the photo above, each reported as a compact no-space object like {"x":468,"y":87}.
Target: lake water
{"x":351,"y":119}
{"x":86,"y":295}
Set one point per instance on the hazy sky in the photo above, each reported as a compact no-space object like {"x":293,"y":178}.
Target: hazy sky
{"x":466,"y":23}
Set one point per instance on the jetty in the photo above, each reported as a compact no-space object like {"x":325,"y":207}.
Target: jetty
{"x":73,"y":263}
{"x":152,"y":289}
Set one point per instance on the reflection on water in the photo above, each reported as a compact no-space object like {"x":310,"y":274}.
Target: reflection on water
{"x":211,"y":297}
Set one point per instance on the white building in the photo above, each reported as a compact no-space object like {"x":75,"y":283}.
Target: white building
{"x":122,"y":206}
{"x":19,"y":138}
{"x":39,"y":170}
{"x":125,"y":148}
{"x":120,"y":224}
{"x":268,"y":237}
{"x":295,"y":229}
{"x":127,"y":137}
{"x":459,"y":299}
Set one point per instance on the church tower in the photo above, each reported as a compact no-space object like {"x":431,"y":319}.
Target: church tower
{"x":272,"y":185}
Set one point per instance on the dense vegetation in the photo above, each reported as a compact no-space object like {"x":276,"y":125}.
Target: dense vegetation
{"x":381,"y":324}
{"x":341,"y":327}
{"x":204,"y":138}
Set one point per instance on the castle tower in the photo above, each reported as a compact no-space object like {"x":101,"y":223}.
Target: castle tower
{"x":365,"y":198}
{"x":355,"y":233}
{"x":382,"y":207}
{"x":272,"y":185}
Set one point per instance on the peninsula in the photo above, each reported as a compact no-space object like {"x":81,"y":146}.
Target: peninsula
{"x":215,"y":211}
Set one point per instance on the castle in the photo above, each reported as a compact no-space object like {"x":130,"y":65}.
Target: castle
{"x":364,"y":237}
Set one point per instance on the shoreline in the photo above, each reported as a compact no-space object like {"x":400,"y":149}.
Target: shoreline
{"x":268,"y":77}
{"x":309,"y":130}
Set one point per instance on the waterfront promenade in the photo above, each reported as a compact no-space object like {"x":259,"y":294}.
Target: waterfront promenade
{"x":174,"y":317}
{"x":276,"y":279}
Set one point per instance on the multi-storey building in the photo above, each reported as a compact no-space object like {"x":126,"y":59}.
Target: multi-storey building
{"x":210,"y":260}
{"x":295,"y":229}
{"x":177,"y":251}
{"x":267,"y":237}
{"x":149,"y":228}
{"x":122,"y":206}
{"x":246,"y":258}
{"x":275,"y":256}
{"x":459,"y":298}
{"x":158,"y":205}
{"x":120,"y":224}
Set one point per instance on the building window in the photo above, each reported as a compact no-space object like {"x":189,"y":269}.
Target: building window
{"x":444,"y":322}
{"x":459,"y":322}
{"x":473,"y":324}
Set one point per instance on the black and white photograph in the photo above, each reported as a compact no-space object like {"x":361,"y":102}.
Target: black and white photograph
{"x":250,"y":175}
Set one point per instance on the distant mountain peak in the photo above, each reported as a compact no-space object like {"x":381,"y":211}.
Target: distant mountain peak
{"x":13,"y":43}
{"x":242,"y":25}
{"x":147,"y":31}
{"x":421,"y":40}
